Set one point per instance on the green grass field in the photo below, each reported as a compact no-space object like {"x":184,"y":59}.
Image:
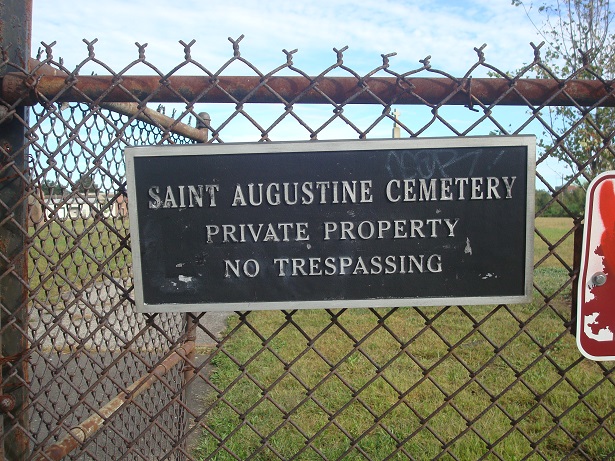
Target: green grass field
{"x":554,"y":229}
{"x":408,"y":383}
{"x":64,"y":256}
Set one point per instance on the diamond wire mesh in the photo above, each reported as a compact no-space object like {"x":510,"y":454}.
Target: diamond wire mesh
{"x":87,"y":343}
{"x":459,"y":382}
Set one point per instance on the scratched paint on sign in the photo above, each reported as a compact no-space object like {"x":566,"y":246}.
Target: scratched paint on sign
{"x":596,"y":319}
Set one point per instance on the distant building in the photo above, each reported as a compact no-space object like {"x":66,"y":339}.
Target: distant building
{"x":85,"y":206}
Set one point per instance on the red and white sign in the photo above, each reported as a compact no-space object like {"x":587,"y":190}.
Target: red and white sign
{"x":596,"y":293}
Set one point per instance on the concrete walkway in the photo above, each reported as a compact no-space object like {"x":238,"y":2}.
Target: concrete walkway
{"x":215,"y":322}
{"x":63,"y":328}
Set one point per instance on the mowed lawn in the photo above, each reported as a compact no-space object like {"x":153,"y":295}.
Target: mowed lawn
{"x":554,"y":229}
{"x":463,"y":382}
{"x":66,"y":255}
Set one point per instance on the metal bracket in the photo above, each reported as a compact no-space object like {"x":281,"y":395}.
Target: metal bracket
{"x":7,"y":402}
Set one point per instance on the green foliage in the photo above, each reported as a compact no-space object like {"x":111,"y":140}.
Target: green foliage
{"x":86,"y":184}
{"x":51,"y":187}
{"x":568,"y":202}
{"x":580,"y":45}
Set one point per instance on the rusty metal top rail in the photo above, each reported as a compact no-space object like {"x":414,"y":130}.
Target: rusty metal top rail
{"x":28,"y":89}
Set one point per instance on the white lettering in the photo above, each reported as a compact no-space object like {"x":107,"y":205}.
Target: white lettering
{"x":461,"y":182}
{"x":270,"y":234}
{"x":252,"y":195}
{"x":451,"y":226}
{"x":155,"y":203}
{"x":273,"y":194}
{"x":389,"y":191}
{"x":287,"y":198}
{"x":211,"y":231}
{"x":194,"y":195}
{"x":281,"y":262}
{"x":445,"y":189}
{"x":437,"y":265}
{"x":409,"y":194}
{"x":415,"y":228}
{"x":427,"y":193}
{"x":169,"y":200}
{"x":329,"y":227}
{"x":366,"y":191}
{"x":370,"y":230}
{"x":383,"y":226}
{"x":492,"y":188}
{"x":508,"y":183}
{"x":477,"y":193}
{"x":347,"y":228}
{"x":302,"y":235}
{"x":255,"y":268}
{"x":345,"y":263}
{"x":239,"y":199}
{"x":212,"y":189}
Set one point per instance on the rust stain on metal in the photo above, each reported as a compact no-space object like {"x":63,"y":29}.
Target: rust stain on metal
{"x":299,"y":89}
{"x":147,"y":115}
{"x":191,"y":326}
{"x":21,"y":438}
{"x":130,"y":109}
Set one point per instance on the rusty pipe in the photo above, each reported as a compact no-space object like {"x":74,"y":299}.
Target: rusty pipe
{"x":147,"y":115}
{"x":297,"y":89}
{"x":191,"y":326}
{"x":79,"y":434}
{"x":131,"y":109}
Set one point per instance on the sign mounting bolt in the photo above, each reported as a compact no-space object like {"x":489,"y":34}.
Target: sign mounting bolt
{"x":598,"y":279}
{"x":7,"y":403}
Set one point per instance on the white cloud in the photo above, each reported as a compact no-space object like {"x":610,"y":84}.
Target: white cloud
{"x":446,"y":30}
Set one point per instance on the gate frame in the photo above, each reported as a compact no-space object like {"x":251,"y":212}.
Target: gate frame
{"x":15,"y":43}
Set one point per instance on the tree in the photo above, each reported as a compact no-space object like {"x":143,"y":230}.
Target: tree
{"x":86,"y":185}
{"x":572,"y":197}
{"x":52,"y":187}
{"x":580,"y":44}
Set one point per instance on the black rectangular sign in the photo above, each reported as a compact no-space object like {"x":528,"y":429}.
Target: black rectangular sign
{"x":435,"y":221}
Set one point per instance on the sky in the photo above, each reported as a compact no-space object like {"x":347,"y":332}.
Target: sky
{"x":448,"y":31}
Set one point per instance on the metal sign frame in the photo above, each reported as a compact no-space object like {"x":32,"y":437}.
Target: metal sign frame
{"x":288,"y":151}
{"x":594,"y":275}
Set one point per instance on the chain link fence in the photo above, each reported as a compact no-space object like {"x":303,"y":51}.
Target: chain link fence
{"x":458,"y":382}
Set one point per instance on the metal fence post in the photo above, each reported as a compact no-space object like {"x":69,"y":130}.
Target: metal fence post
{"x":15,"y":36}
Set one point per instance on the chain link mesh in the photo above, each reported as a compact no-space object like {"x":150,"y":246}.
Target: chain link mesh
{"x":458,"y":382}
{"x":87,"y":342}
